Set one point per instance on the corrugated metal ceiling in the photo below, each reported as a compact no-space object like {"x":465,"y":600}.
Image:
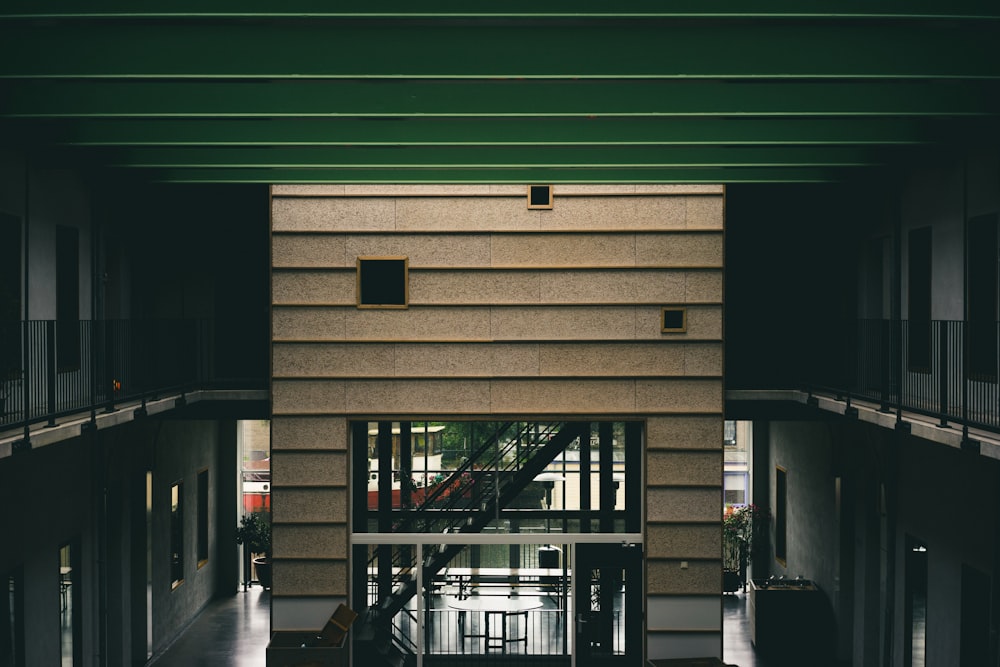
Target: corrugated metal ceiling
{"x":549,"y":92}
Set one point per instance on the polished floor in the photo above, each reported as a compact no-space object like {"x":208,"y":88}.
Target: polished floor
{"x":233,"y":632}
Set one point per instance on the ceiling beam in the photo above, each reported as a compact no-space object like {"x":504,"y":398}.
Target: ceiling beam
{"x":543,"y":49}
{"x":493,"y":175}
{"x":880,"y":131}
{"x":480,"y":157}
{"x":505,"y":8}
{"x":122,"y":98}
{"x":383,"y":91}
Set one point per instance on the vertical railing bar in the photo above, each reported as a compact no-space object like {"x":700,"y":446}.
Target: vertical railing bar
{"x":965,"y":381}
{"x":943,"y":371}
{"x":51,"y":352}
{"x":26,"y":383}
{"x":99,"y":355}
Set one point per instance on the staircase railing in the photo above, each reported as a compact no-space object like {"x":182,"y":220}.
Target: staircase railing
{"x":477,"y":479}
{"x":540,"y":454}
{"x":448,"y":507}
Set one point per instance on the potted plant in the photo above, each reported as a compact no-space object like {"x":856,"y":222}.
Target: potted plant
{"x":254,"y":534}
{"x":740,"y":527}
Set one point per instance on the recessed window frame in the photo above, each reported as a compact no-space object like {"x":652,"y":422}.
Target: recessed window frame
{"x":920,"y":295}
{"x":203,"y":518}
{"x":547,"y":205}
{"x":982,"y":305}
{"x":663,"y":314}
{"x":406,"y":281}
{"x":177,"y":534}
{"x":781,"y":515}
{"x":67,"y":299}
{"x":71,"y":601}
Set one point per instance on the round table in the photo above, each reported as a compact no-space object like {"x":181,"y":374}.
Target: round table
{"x":494,"y":603}
{"x":495,"y":608}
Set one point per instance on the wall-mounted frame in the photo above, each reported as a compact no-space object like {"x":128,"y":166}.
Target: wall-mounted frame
{"x":202,"y":517}
{"x":781,"y":515}
{"x":383,"y":282}
{"x":540,"y":196}
{"x":176,"y":534}
{"x":673,"y":319}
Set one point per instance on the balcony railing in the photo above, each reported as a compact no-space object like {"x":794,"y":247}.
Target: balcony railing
{"x":50,"y":369}
{"x":949,"y":370}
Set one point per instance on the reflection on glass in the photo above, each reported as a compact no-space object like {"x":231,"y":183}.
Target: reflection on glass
{"x":916,"y":600}
{"x":66,"y":590}
{"x":478,"y":599}
{"x":149,"y":564}
{"x":543,"y":470}
{"x":202,"y":517}
{"x":12,"y":622}
{"x":176,"y":534}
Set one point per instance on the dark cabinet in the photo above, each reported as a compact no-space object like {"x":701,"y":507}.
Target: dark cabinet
{"x":789,"y":617}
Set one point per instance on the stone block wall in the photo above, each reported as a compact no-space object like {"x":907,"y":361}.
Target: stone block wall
{"x":512,"y":312}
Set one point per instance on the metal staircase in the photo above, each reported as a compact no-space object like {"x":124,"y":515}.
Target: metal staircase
{"x":488,"y":481}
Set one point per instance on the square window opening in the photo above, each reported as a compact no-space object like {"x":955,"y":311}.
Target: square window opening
{"x":383,"y":282}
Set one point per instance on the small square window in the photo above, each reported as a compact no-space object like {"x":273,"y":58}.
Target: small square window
{"x":673,"y":320}
{"x":539,"y":196}
{"x":383,"y":282}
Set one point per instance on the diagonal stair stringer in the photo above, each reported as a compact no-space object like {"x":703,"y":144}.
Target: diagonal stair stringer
{"x":394,"y":603}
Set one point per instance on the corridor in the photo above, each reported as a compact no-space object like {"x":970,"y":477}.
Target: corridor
{"x":233,"y":632}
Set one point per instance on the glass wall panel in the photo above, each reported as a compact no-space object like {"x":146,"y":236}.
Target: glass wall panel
{"x":500,"y":477}
{"x":176,"y":534}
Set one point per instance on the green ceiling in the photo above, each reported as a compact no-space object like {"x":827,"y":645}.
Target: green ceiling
{"x":371,"y":91}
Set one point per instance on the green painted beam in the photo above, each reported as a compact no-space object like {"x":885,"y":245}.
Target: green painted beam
{"x":504,"y":8}
{"x":517,"y":175}
{"x":498,"y":131}
{"x":468,"y":49}
{"x":484,"y":157}
{"x":50,"y":98}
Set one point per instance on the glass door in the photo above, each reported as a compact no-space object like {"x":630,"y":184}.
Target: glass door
{"x":608,"y":591}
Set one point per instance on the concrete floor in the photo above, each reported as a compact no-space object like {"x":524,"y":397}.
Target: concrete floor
{"x":230,"y":632}
{"x":233,"y":632}
{"x":736,"y":646}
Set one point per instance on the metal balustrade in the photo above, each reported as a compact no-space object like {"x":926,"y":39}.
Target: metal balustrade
{"x":50,"y":369}
{"x":945,"y":369}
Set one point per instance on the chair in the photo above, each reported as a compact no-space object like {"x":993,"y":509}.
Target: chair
{"x":519,"y":632}
{"x":336,"y":628}
{"x":496,"y":622}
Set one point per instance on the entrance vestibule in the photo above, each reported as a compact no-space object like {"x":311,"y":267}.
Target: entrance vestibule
{"x":500,"y":538}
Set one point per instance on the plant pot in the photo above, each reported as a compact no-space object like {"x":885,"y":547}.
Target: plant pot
{"x":731,"y":581}
{"x":263,"y":568}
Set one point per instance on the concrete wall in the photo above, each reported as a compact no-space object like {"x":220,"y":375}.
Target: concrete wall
{"x":56,"y":495}
{"x":48,"y":197}
{"x":945,"y":500}
{"x":805,"y":451}
{"x":551,"y":313}
{"x":941,"y":195}
{"x":855,"y":492}
{"x":51,"y":501}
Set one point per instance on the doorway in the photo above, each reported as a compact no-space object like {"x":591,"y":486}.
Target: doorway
{"x":975,"y":634}
{"x":608,"y":591}
{"x":916,"y":602}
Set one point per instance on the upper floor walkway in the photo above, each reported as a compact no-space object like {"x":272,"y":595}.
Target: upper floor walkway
{"x":58,"y":378}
